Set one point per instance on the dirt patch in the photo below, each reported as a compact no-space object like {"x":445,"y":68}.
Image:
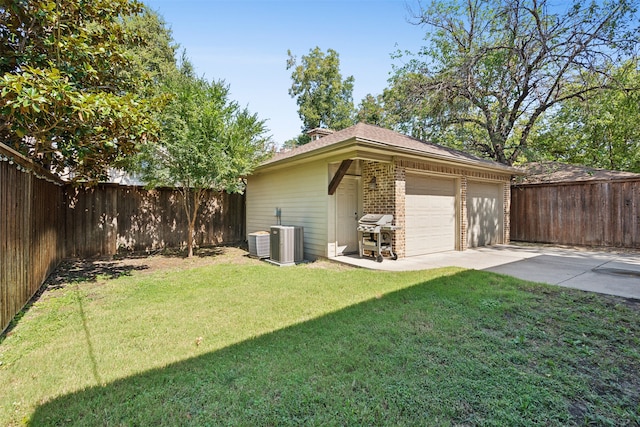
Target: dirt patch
{"x":105,"y":268}
{"x":327,"y":264}
{"x":82,"y":270}
{"x":632,"y":303}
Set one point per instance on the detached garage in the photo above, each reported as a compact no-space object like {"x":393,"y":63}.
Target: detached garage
{"x":441,"y":199}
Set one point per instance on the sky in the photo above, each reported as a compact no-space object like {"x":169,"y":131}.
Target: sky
{"x":245,"y":43}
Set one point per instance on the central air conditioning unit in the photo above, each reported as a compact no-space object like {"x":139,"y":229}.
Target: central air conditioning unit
{"x":287,"y":244}
{"x":259,"y":244}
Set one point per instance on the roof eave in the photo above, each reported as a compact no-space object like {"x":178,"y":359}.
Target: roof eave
{"x":358,"y":143}
{"x":448,"y":159}
{"x":333,"y":149}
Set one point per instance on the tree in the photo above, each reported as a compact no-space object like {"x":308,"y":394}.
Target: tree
{"x":323,"y":97}
{"x":406,"y":108}
{"x":371,"y":110}
{"x":65,"y":98}
{"x":410,"y":111}
{"x":498,"y":65}
{"x":207,"y":143}
{"x":600,"y":131}
{"x":152,"y":51}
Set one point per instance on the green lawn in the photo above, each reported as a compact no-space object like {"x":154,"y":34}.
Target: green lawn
{"x":246,"y":343}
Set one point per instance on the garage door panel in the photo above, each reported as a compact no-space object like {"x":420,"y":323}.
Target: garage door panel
{"x":430,"y":215}
{"x":425,"y":185}
{"x":485,"y":214}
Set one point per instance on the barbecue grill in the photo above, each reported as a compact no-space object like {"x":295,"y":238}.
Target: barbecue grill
{"x":375,"y":236}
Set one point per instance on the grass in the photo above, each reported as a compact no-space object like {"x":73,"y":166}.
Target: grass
{"x":317,"y":344}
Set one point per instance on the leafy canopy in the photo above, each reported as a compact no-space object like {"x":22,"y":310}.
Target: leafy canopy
{"x":153,"y":53}
{"x":492,"y":68}
{"x":371,"y":110}
{"x":600,"y":131}
{"x":66,"y":99}
{"x":207,"y":141}
{"x":324,"y":98}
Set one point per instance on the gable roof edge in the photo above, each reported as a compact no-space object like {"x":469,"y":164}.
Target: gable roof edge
{"x":370,"y":137}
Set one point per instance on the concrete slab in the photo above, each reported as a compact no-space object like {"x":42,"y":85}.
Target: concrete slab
{"x":544,"y":269}
{"x":605,"y":283}
{"x":552,"y":269}
{"x":596,"y":271}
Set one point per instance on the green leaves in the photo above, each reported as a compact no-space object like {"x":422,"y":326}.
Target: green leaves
{"x":64,"y":100}
{"x":600,"y":130}
{"x":67,"y":127}
{"x":493,"y":68}
{"x":207,"y":140}
{"x":323,"y":97}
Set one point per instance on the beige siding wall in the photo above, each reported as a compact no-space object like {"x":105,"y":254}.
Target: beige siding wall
{"x":301,"y":194}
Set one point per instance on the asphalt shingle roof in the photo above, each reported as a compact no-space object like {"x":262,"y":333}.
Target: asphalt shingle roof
{"x":376,"y":135}
{"x":555,"y":172}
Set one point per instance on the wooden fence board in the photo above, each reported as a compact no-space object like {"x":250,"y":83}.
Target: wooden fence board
{"x":592,"y":213}
{"x":31,"y":230}
{"x":3,"y":246}
{"x":106,"y":219}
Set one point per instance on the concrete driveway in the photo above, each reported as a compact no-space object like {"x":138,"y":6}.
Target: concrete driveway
{"x":612,"y":273}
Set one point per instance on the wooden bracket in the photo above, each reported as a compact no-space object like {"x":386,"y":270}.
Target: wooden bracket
{"x":337,"y":178}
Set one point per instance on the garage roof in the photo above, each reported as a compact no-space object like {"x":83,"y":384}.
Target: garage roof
{"x":372,"y":136}
{"x":556,"y":172}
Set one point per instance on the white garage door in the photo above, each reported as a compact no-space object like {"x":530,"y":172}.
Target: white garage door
{"x":485,"y":215}
{"x":430,"y":215}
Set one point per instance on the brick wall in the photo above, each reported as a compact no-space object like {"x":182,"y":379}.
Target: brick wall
{"x":386,"y":197}
{"x":399,"y":212}
{"x":464,"y":223}
{"x":378,"y":200}
{"x":506,"y":204}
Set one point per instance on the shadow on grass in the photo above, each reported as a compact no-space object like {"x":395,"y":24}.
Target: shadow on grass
{"x":425,"y":355}
{"x":72,"y":271}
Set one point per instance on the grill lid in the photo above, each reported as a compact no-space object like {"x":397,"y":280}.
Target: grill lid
{"x":376,"y":219}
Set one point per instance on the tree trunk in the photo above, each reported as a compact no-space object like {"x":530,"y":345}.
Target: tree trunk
{"x":190,"y":239}
{"x":498,"y":143}
{"x":191,"y":217}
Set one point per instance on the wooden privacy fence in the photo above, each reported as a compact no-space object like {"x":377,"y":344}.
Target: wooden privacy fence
{"x":42,"y":221}
{"x":32,"y":218}
{"x":590,"y":213}
{"x":109,"y":218}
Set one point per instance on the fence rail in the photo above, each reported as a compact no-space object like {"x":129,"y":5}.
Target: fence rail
{"x":42,"y":221}
{"x":596,"y":213}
